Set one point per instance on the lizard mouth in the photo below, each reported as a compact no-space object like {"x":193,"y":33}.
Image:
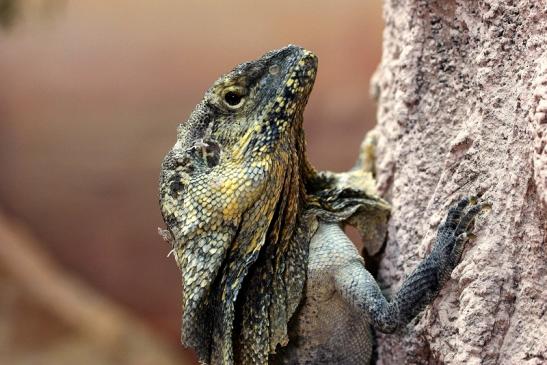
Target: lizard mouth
{"x":301,"y":69}
{"x":292,"y":71}
{"x":300,"y":82}
{"x":283,"y":82}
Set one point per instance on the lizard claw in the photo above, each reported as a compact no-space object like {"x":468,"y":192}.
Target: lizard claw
{"x":486,"y":207}
{"x":471,"y":236}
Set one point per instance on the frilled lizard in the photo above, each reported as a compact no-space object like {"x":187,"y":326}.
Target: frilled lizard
{"x":268,"y":274}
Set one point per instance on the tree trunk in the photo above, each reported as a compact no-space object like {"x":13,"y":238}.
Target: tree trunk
{"x":462,"y":105}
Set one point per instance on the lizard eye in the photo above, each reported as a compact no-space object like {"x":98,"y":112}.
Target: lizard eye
{"x":234,"y":97}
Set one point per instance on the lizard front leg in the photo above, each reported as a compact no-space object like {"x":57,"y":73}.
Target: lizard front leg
{"x":359,"y":289}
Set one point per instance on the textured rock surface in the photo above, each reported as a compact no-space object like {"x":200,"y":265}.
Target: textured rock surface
{"x":462,"y":105}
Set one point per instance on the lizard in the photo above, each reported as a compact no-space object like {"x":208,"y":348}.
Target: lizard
{"x":269,"y":275}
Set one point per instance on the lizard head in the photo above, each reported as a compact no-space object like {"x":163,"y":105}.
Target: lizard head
{"x":250,"y":116}
{"x":251,"y":107}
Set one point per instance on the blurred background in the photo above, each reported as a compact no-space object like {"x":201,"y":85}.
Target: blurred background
{"x":90,"y":96}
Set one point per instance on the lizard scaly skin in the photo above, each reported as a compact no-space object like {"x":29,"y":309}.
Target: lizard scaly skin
{"x":268,"y":274}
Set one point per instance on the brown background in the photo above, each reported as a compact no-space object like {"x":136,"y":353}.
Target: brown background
{"x":90,"y":96}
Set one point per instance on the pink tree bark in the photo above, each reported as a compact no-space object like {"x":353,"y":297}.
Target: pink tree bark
{"x":462,"y":104}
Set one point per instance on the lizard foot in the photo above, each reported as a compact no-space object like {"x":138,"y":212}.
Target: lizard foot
{"x":457,"y":229}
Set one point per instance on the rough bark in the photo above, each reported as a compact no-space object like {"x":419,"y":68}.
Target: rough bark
{"x":462,"y":104}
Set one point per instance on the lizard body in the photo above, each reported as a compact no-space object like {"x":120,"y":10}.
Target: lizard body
{"x":268,"y":274}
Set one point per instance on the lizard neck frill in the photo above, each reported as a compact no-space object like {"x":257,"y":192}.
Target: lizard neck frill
{"x":262,"y":280}
{"x":275,"y":285}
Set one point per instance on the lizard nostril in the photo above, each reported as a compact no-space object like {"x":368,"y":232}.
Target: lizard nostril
{"x":274,"y":69}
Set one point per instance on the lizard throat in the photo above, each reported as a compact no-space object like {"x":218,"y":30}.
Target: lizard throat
{"x":261,"y":281}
